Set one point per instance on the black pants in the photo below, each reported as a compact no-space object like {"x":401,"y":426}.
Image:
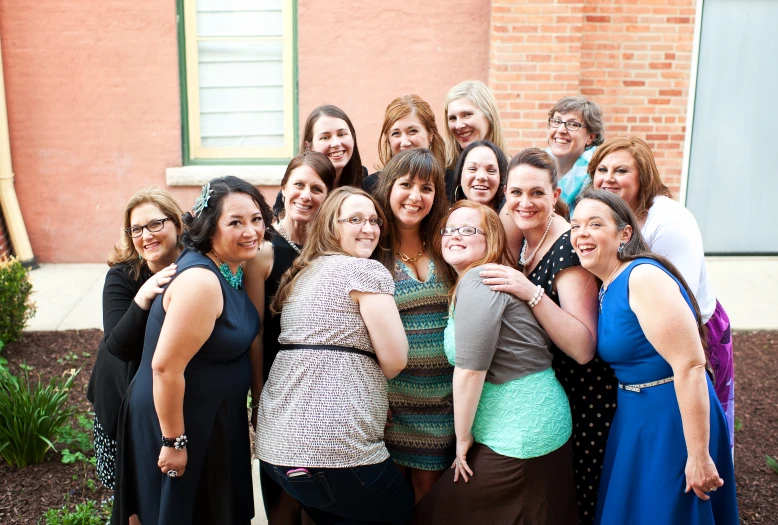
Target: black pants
{"x":369,"y":494}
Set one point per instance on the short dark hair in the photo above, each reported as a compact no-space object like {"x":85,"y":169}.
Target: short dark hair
{"x":502,"y":165}
{"x":537,"y":158}
{"x":199,"y":230}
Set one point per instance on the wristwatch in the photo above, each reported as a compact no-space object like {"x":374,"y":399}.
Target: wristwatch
{"x":178,"y":443}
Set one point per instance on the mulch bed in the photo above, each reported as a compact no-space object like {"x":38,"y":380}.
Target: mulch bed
{"x":27,"y":493}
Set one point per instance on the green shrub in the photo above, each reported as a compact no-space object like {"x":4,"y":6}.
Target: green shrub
{"x":89,"y":513}
{"x":77,"y":436}
{"x":30,"y":415}
{"x":16,"y":307}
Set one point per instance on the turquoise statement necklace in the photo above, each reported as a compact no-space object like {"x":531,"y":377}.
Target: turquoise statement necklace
{"x":236,"y":280}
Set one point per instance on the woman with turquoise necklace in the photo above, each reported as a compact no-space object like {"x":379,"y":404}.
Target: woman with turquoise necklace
{"x":420,"y":437}
{"x":512,"y":417}
{"x":185,"y":431}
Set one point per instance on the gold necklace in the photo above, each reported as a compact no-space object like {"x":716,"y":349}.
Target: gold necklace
{"x":405,"y":258}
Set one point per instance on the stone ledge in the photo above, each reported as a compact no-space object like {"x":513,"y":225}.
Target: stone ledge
{"x":260,"y":175}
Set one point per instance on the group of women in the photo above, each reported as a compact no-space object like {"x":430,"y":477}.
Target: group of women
{"x":440,"y":341}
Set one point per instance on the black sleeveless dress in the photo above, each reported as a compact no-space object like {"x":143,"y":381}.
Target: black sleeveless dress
{"x":590,"y":388}
{"x":216,"y":487}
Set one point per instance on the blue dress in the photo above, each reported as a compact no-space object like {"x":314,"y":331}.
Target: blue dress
{"x":643,"y":477}
{"x":216,"y":487}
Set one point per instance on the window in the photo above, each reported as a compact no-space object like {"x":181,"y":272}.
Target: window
{"x":237,"y":81}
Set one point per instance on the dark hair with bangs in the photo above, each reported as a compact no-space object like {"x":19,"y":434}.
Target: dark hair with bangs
{"x":416,"y":163}
{"x":502,"y":165}
{"x":200,"y":229}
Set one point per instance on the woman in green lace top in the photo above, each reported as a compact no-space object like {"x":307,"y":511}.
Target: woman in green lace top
{"x":511,"y":415}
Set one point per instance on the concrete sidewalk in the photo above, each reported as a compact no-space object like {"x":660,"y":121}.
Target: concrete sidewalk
{"x":69,"y":296}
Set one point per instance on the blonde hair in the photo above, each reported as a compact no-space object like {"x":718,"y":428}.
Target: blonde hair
{"x":480,"y":95}
{"x":496,"y":241}
{"x":124,"y":250}
{"x":399,"y":108}
{"x":323,"y":239}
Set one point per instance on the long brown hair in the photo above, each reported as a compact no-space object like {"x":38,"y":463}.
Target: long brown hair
{"x":496,"y":242}
{"x":637,"y":247}
{"x":352,"y":174}
{"x":124,"y":250}
{"x":324,"y":239}
{"x":651,"y":183}
{"x":421,"y":163}
{"x":399,"y":108}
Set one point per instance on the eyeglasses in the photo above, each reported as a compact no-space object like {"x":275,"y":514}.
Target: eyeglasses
{"x":464,"y":231}
{"x":571,"y":125}
{"x":152,"y":226}
{"x":359,"y":221}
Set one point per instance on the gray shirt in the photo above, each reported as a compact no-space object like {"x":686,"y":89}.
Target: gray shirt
{"x":497,"y":332}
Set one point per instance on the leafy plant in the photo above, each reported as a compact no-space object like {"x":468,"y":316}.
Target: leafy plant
{"x":77,"y":436}
{"x":88,"y":513}
{"x":738,"y":425}
{"x":70,"y":356}
{"x":69,"y":457}
{"x":17,"y":307}
{"x":30,"y":414}
{"x":772,"y":463}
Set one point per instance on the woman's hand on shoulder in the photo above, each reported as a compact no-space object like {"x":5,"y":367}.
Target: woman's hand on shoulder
{"x":153,"y":286}
{"x":501,"y":278}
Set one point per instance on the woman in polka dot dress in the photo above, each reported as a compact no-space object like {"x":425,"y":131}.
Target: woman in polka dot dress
{"x":565,"y":298}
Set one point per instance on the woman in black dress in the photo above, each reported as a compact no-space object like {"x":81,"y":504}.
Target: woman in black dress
{"x":184,"y":451}
{"x":566,"y":307}
{"x":141,"y":262}
{"x":308,"y":179}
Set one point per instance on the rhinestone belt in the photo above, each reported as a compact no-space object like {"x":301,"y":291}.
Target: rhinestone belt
{"x":638,"y":387}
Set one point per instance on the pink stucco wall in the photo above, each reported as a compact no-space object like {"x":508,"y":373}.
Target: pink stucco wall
{"x":93,"y":95}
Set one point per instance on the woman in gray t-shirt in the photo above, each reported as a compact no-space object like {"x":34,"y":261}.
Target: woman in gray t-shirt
{"x":511,"y":415}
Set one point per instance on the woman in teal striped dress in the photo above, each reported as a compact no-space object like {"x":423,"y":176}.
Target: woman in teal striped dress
{"x":420,"y":430}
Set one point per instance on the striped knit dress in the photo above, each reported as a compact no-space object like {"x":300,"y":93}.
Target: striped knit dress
{"x":420,"y":398}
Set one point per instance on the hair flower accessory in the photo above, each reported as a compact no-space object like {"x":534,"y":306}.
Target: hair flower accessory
{"x":201,"y":202}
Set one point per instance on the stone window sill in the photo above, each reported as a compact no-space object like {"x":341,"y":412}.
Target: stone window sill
{"x":261,"y":175}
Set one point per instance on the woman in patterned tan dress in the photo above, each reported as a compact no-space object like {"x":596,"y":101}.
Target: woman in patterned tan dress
{"x":320,"y":424}
{"x":420,"y":436}
{"x":567,"y":312}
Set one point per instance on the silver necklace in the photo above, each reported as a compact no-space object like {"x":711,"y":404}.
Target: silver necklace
{"x":604,"y":287}
{"x":522,"y":260}
{"x":288,"y":239}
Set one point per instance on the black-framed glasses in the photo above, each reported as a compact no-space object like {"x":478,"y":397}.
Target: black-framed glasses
{"x":571,"y":125}
{"x":153,"y":225}
{"x":359,"y":221}
{"x":464,"y":231}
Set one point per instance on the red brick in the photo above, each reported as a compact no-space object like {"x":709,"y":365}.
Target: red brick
{"x":660,"y":65}
{"x":630,"y":83}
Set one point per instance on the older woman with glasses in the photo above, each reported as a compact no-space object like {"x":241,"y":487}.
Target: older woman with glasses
{"x":141,"y":263}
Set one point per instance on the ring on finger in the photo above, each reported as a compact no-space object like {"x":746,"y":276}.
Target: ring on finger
{"x":714,"y":489}
{"x":172,"y":473}
{"x":506,"y":282}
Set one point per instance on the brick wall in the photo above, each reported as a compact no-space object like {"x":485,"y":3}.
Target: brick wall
{"x":633,"y":57}
{"x":5,"y":241}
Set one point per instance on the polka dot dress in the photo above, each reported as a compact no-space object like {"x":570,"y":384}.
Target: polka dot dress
{"x":105,"y":454}
{"x":591,"y":389}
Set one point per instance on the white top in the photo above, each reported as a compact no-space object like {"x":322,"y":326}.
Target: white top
{"x":671,"y":231}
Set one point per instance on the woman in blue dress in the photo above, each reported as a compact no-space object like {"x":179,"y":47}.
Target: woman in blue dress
{"x":667,"y":459}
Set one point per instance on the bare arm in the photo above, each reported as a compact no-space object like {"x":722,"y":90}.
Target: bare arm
{"x":387,"y":334}
{"x":256,"y":271}
{"x":572,"y":326}
{"x":669,"y":326}
{"x":468,"y":385}
{"x":193,"y":302}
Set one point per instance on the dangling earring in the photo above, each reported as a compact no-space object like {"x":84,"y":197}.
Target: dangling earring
{"x":283,"y":199}
{"x":621,"y":247}
{"x":140,"y":257}
{"x":455,"y":193}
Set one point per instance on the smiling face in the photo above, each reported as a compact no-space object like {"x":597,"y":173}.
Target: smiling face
{"x":467,"y":123}
{"x":159,"y":248}
{"x":618,"y":173}
{"x":358,"y":241}
{"x":411,"y":200}
{"x":460,"y":251}
{"x":530,"y":197}
{"x":480,"y":175}
{"x":304,"y":194}
{"x":567,"y":144}
{"x":406,"y":133}
{"x":596,"y":238}
{"x":333,"y":137}
{"x":239,"y":230}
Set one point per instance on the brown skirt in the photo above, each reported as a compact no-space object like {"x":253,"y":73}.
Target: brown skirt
{"x":505,"y":491}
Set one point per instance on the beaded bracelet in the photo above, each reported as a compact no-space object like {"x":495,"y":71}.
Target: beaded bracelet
{"x":538,"y":296}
